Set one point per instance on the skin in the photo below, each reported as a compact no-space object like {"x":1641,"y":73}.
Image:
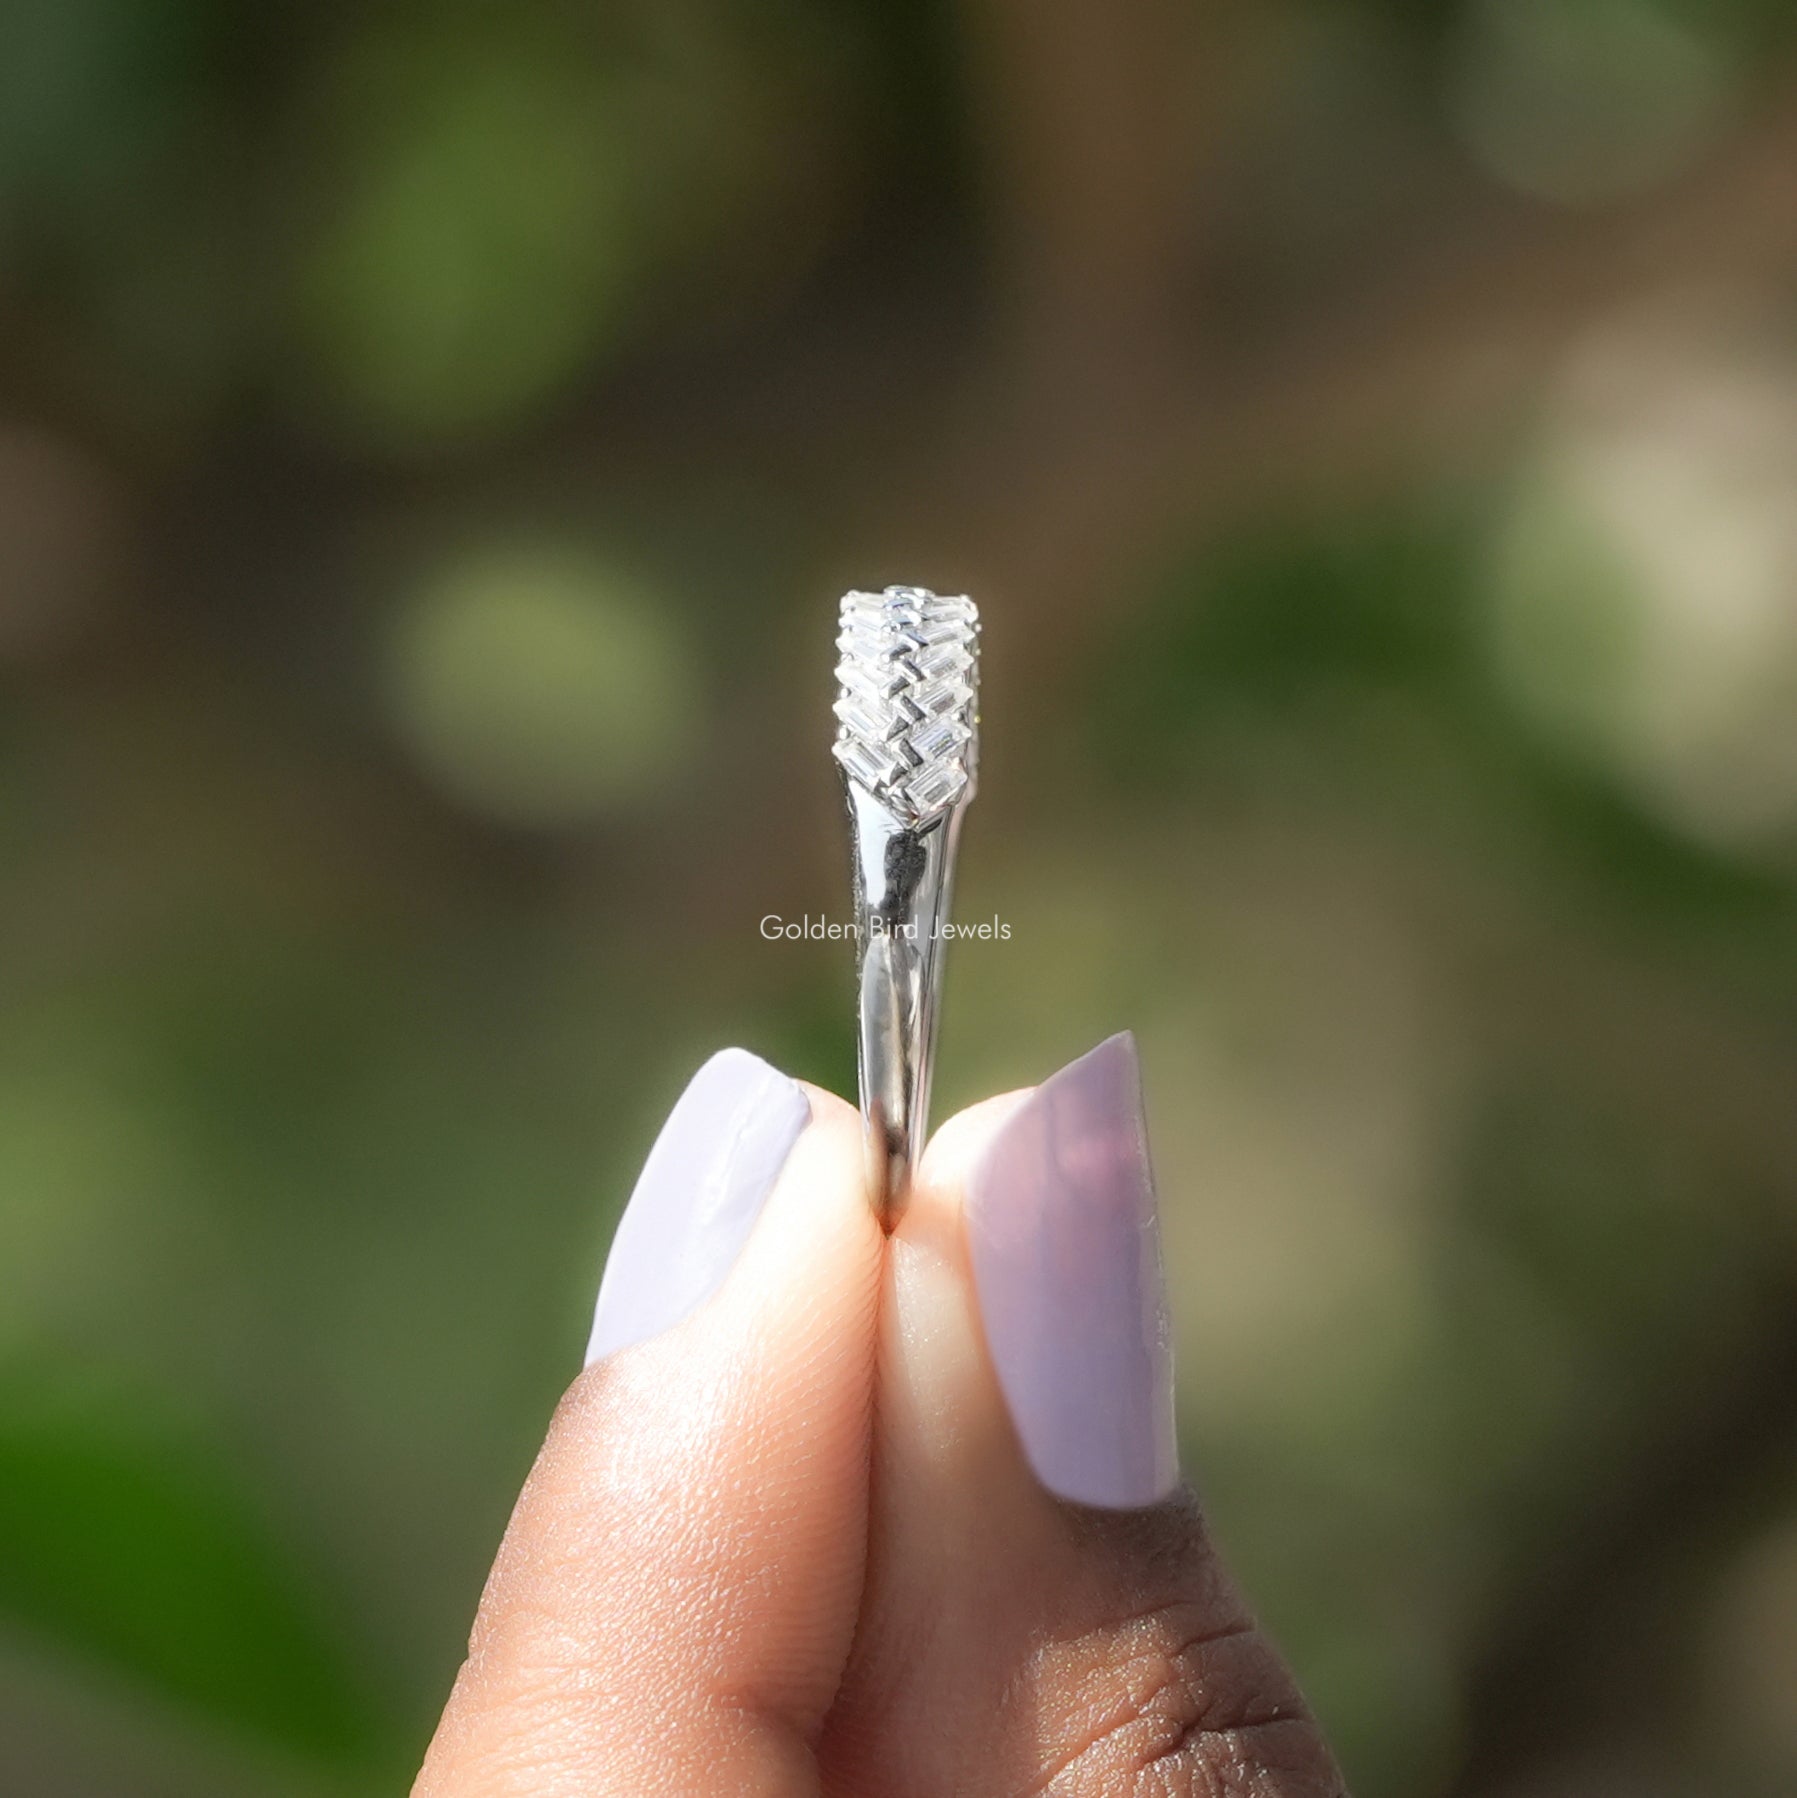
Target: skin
{"x":791,"y":1547}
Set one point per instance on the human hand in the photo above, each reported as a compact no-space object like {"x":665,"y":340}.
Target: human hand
{"x":837,"y":1514}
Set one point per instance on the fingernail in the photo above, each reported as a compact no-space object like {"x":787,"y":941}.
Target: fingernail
{"x":697,"y":1198}
{"x":1065,"y":1240}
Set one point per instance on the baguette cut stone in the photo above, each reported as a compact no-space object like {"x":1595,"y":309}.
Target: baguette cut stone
{"x":872,"y":769}
{"x":937,"y":786}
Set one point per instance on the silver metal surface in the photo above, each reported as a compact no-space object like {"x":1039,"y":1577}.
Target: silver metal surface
{"x":908,"y":747}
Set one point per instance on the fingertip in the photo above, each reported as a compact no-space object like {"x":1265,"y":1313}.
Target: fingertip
{"x":951,"y":1155}
{"x":707,"y":1176}
{"x":1064,"y":1234}
{"x":826,"y":1107}
{"x":826,"y":1173}
{"x":796,"y":1314}
{"x":678,"y":1586}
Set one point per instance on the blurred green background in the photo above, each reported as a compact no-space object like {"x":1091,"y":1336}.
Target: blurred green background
{"x":432,"y":441}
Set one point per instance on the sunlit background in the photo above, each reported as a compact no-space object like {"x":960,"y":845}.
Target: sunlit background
{"x":432,"y":441}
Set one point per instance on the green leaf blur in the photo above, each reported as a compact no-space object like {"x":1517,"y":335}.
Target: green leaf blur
{"x":432,"y":442}
{"x":124,"y":1541}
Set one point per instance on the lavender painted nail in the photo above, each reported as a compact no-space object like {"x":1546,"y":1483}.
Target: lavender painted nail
{"x":1065,"y":1240}
{"x":697,"y":1198}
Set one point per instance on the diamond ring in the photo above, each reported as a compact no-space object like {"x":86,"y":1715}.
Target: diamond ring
{"x":907,"y":744}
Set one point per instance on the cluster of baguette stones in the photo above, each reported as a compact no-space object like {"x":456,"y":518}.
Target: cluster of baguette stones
{"x":908,"y":679}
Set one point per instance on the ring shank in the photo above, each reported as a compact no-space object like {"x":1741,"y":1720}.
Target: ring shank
{"x":903,"y":881}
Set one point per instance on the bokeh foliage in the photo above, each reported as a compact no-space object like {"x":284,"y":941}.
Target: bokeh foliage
{"x":431,"y":442}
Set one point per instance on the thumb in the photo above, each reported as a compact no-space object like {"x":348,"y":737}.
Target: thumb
{"x":675,"y":1597}
{"x":1082,"y":1635}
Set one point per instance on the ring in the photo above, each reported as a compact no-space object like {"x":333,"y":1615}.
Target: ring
{"x":907,"y":743}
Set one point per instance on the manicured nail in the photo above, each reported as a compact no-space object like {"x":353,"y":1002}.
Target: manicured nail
{"x":697,"y":1198}
{"x":1065,"y":1239}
